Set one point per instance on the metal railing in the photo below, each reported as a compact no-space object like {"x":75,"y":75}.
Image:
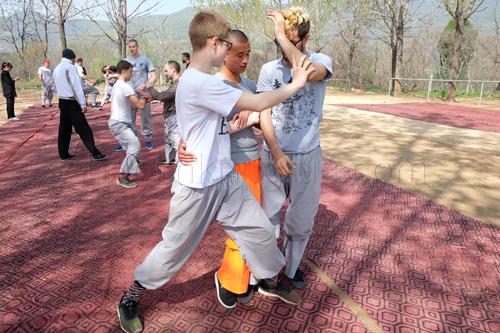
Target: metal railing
{"x":438,"y":80}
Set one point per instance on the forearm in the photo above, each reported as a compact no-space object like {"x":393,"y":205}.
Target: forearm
{"x":40,"y":78}
{"x":266,"y":125}
{"x":252,"y":120}
{"x":267,"y":99}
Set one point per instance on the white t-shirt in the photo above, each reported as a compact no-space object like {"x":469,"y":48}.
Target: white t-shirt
{"x":121,"y":105}
{"x":296,"y":120}
{"x":140,"y":74}
{"x":80,"y":70}
{"x":46,"y":74}
{"x":203,"y":102}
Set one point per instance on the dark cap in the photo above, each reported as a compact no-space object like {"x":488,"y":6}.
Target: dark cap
{"x":68,"y":54}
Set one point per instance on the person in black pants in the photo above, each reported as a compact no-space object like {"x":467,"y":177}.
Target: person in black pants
{"x":9,"y":89}
{"x":73,"y":107}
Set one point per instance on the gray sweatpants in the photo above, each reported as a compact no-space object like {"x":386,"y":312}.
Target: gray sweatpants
{"x":172,"y":138}
{"x":88,"y":89}
{"x":146,"y":120}
{"x":128,"y":136}
{"x":107,"y":94}
{"x":303,"y":189}
{"x":47,"y":93}
{"x":229,"y":202}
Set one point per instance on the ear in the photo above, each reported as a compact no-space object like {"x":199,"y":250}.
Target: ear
{"x":213,"y":43}
{"x":306,"y":39}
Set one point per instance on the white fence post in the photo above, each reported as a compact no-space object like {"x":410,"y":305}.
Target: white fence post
{"x":430,"y":87}
{"x":481,"y":95}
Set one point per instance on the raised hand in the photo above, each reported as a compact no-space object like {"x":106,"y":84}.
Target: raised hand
{"x":278,"y":23}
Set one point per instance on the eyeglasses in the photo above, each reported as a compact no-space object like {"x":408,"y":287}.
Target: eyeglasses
{"x":229,"y":45}
{"x":294,"y":43}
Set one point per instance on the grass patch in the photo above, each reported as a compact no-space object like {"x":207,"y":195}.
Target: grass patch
{"x":473,"y":93}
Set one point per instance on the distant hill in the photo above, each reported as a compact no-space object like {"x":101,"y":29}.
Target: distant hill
{"x":177,"y":26}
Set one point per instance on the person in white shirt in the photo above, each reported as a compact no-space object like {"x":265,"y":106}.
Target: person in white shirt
{"x":87,"y":82}
{"x":123,"y":101}
{"x":291,"y":162}
{"x":144,"y":71}
{"x":210,"y":189}
{"x":110,"y":77}
{"x":45,"y":77}
{"x":73,"y":107}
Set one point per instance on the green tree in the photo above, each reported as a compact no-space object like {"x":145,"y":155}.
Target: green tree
{"x":467,"y":49}
{"x":460,"y":10}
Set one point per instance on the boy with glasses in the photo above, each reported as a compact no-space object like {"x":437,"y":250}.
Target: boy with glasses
{"x":210,"y":189}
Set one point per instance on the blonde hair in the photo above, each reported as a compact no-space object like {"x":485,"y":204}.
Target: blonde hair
{"x":207,"y":24}
{"x":296,"y":17}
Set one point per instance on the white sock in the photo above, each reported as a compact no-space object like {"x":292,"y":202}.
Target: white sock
{"x":43,"y":101}
{"x":50,"y":102}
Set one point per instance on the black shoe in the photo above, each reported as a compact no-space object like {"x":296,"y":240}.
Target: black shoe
{"x":128,"y":316}
{"x":100,"y":157}
{"x":246,"y":297}
{"x":172,"y":162}
{"x":95,"y":106}
{"x":164,"y":162}
{"x":69,"y":157}
{"x":43,"y":106}
{"x":50,"y":105}
{"x":280,"y":290}
{"x":171,"y":180}
{"x":299,"y":280}
{"x":226,"y":298}
{"x":126,"y":182}
{"x":140,"y":162}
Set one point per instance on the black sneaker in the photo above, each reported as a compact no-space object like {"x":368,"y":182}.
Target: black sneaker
{"x":43,"y":106}
{"x":163,"y":161}
{"x":226,"y":298}
{"x":95,"y":106}
{"x":129,"y":319}
{"x":50,"y":105}
{"x":280,"y":290}
{"x":246,"y":297}
{"x":126,"y":182}
{"x":171,"y":180}
{"x":140,"y":162}
{"x":299,"y":280}
{"x":172,"y":162}
{"x":100,"y":157}
{"x":69,"y":157}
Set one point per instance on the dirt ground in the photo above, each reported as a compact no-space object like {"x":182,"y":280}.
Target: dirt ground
{"x":455,"y":167}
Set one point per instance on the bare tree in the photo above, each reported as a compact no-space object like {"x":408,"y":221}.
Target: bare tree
{"x":398,"y":20}
{"x":492,"y":42}
{"x":463,"y":9}
{"x":63,"y":10}
{"x":352,"y":19}
{"x":120,"y":18}
{"x":17,"y":19}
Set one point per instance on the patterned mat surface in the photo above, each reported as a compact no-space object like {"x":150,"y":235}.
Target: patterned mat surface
{"x":72,"y":238}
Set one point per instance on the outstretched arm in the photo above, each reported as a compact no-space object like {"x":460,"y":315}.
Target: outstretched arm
{"x":265,"y":100}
